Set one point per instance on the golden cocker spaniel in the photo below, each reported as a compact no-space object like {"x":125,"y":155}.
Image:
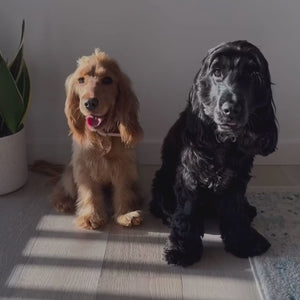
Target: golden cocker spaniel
{"x":102,"y":113}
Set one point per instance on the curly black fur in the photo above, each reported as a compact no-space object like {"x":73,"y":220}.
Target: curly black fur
{"x":207,"y":155}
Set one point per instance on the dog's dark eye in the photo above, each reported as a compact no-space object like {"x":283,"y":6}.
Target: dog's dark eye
{"x":81,"y":79}
{"x":107,"y":80}
{"x":217,"y":73}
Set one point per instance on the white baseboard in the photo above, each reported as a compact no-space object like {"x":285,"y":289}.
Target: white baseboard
{"x":148,"y":152}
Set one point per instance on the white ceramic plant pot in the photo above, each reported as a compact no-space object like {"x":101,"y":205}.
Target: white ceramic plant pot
{"x":13,"y":162}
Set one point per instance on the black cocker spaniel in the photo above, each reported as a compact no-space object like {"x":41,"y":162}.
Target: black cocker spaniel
{"x":208,"y":154}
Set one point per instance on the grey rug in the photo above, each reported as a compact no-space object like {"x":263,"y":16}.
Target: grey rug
{"x":277,"y":272}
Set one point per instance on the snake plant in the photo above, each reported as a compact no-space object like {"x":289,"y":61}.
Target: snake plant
{"x":14,"y":91}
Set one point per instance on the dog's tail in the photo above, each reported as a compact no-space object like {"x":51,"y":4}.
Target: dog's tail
{"x":52,"y":170}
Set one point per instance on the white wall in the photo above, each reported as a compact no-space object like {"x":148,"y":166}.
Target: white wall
{"x":160,"y":44}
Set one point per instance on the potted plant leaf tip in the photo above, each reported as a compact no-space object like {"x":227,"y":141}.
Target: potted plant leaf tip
{"x":14,"y":103}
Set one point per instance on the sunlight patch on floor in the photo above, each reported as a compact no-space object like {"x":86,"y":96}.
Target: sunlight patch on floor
{"x":57,"y":277}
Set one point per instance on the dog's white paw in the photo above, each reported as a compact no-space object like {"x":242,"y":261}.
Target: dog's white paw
{"x":91,"y":221}
{"x":133,"y":218}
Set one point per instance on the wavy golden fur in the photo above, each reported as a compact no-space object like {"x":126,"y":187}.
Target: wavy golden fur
{"x":98,"y":89}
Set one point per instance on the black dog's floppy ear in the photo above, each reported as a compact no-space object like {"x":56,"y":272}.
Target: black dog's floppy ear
{"x":199,"y":82}
{"x":208,"y":59}
{"x":197,"y":128}
{"x":195,"y":123}
{"x":261,"y":136}
{"x":268,"y":133}
{"x":205,"y":63}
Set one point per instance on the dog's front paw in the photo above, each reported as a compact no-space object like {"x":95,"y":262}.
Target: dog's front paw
{"x":92,"y":221}
{"x":249,"y":244}
{"x":183,"y":257}
{"x":133,"y":218}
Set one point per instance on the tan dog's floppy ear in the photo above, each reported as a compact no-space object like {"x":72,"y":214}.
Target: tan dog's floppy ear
{"x":127,"y":113}
{"x":76,"y":120}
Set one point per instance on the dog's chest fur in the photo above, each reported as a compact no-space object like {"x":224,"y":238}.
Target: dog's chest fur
{"x":220,"y":167}
{"x":102,"y":168}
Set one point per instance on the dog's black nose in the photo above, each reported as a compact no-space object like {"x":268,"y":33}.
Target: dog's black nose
{"x":230,"y":109}
{"x":91,"y":104}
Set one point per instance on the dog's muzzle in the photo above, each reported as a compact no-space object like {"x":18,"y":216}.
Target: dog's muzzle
{"x":230,"y":111}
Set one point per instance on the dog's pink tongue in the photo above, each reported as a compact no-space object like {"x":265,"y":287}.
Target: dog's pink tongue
{"x":93,"y":121}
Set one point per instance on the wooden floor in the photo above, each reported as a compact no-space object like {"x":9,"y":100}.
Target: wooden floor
{"x":44,"y":256}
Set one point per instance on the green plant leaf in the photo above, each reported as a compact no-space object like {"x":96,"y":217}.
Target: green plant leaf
{"x":16,"y":65}
{"x":11,"y":103}
{"x":24,"y":89}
